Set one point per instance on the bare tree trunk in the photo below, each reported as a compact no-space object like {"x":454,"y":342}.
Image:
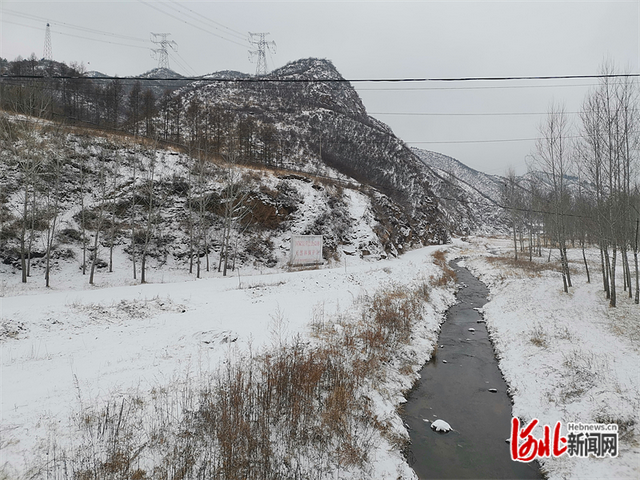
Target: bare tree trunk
{"x":206,"y":249}
{"x":586,"y":265}
{"x":564,"y":271}
{"x":190,"y":213}
{"x":635,"y":256}
{"x":627,"y":271}
{"x":143,"y":265}
{"x":51,"y":230}
{"x":133,"y":219}
{"x":539,"y":244}
{"x":23,"y":233}
{"x":32,"y":230}
{"x":612,"y":301}
{"x":83,"y":222}
{"x":95,"y":249}
{"x":637,"y":299}
{"x":566,"y":266}
{"x":113,"y":211}
{"x":198,"y":262}
{"x":226,"y":253}
{"x":96,"y":240}
{"x":607,"y":271}
{"x":224,"y":234}
{"x":235,"y":251}
{"x":149,"y":226}
{"x":50,"y":236}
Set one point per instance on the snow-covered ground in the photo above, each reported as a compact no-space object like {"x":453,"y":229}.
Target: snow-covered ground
{"x":566,"y":357}
{"x":82,"y":346}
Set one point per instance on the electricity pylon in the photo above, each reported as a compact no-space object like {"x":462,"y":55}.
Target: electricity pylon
{"x":258,"y":39}
{"x":162,"y":53}
{"x":47,"y":54}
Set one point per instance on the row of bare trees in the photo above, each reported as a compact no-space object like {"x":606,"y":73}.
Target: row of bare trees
{"x":160,"y":112}
{"x":588,"y":188}
{"x":112,"y":192}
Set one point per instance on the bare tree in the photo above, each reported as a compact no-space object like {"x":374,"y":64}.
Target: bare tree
{"x":132,"y":218}
{"x":553,"y":157}
{"x":611,"y":137}
{"x":635,"y":256}
{"x":100,"y":220}
{"x":511,"y":199}
{"x":235,"y":210}
{"x":112,"y":210}
{"x":154,"y":199}
{"x":52,"y":208}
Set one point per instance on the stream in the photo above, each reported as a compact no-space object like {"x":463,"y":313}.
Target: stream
{"x":463,"y":386}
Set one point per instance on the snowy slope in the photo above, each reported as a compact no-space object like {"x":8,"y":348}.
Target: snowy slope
{"x":350,"y":215}
{"x":468,"y":197}
{"x":80,"y":347}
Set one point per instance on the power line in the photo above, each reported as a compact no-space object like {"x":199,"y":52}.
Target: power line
{"x":199,"y":17}
{"x":367,"y":80}
{"x":155,"y":7}
{"x":441,"y":114}
{"x":74,"y":27}
{"x":183,"y":62}
{"x":503,"y":140}
{"x":493,"y":202}
{"x":500,"y":79}
{"x":77,"y":36}
{"x":486,"y":87}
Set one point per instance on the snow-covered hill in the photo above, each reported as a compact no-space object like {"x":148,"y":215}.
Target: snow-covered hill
{"x":110,"y":178}
{"x":469,"y":198}
{"x":305,"y":116}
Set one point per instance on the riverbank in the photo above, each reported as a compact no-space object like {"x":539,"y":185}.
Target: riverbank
{"x":462,"y":384}
{"x":566,"y":357}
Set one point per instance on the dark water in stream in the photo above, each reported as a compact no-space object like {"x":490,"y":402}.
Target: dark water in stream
{"x":458,"y":392}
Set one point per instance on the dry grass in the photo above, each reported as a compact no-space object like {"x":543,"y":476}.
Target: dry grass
{"x":538,"y":336}
{"x":583,"y":370}
{"x":448,"y":274}
{"x":513,"y":267}
{"x":11,"y":329}
{"x":295,"y":411}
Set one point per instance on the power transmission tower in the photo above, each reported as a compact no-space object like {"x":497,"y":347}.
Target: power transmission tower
{"x":258,"y":39}
{"x":48,"y":54}
{"x":162,"y":53}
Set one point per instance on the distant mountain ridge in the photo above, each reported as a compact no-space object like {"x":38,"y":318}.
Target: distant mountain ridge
{"x":303,"y":117}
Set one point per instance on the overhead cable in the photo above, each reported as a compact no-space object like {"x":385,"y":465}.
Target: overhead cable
{"x":271,"y":79}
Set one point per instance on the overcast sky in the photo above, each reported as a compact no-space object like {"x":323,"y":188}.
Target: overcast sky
{"x":368,"y":40}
